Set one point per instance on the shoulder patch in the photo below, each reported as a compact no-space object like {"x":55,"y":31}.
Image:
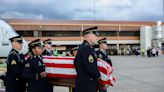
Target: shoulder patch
{"x":27,"y":65}
{"x":90,"y":59}
{"x":13,"y":62}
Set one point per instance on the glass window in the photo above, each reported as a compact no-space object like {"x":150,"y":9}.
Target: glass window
{"x":129,"y":33}
{"x":162,"y":46}
{"x":60,"y":33}
{"x":108,"y":33}
{"x":26,"y":33}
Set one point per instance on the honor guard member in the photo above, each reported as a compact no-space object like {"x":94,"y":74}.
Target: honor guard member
{"x":48,"y":52}
{"x":34,"y":70}
{"x":101,"y":53}
{"x":86,"y":63}
{"x":15,"y":64}
{"x":74,"y":51}
{"x":47,"y":48}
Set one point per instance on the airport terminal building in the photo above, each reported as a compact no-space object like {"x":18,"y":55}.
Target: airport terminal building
{"x":66,"y":34}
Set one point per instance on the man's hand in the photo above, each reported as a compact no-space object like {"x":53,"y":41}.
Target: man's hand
{"x":43,"y":74}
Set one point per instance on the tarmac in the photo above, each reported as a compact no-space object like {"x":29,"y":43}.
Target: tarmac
{"x":138,"y":74}
{"x":135,"y":74}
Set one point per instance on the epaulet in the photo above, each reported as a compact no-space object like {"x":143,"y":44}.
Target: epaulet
{"x":29,"y":54}
{"x":86,"y":44}
{"x":96,"y":50}
{"x":13,"y":52}
{"x":31,"y":57}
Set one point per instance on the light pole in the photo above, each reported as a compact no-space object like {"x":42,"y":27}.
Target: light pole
{"x":94,"y":9}
{"x":162,"y":23}
{"x":163,"y":10}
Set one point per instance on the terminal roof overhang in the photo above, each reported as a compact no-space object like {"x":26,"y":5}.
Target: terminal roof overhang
{"x":77,"y":22}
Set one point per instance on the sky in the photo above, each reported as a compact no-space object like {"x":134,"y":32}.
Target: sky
{"x":115,"y":10}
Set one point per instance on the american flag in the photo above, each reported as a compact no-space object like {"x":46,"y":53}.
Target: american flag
{"x":63,"y":67}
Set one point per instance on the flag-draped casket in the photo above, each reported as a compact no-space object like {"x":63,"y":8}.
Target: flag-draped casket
{"x":61,"y":71}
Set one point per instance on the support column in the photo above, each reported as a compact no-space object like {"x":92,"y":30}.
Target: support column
{"x":118,"y":38}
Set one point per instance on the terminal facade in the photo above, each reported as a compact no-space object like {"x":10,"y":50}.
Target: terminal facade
{"x":66,"y":34}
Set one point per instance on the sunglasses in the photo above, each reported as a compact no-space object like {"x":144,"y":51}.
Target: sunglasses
{"x":20,"y":41}
{"x":50,"y":43}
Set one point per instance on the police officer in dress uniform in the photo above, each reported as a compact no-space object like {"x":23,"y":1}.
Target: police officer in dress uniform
{"x":15,"y":64}
{"x":102,"y":54}
{"x":48,"y":45}
{"x":86,"y":63}
{"x":34,"y":70}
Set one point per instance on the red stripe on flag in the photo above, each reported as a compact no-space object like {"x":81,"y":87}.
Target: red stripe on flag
{"x":101,"y":69}
{"x":103,"y":82}
{"x":60,"y":75}
{"x":59,"y":65}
